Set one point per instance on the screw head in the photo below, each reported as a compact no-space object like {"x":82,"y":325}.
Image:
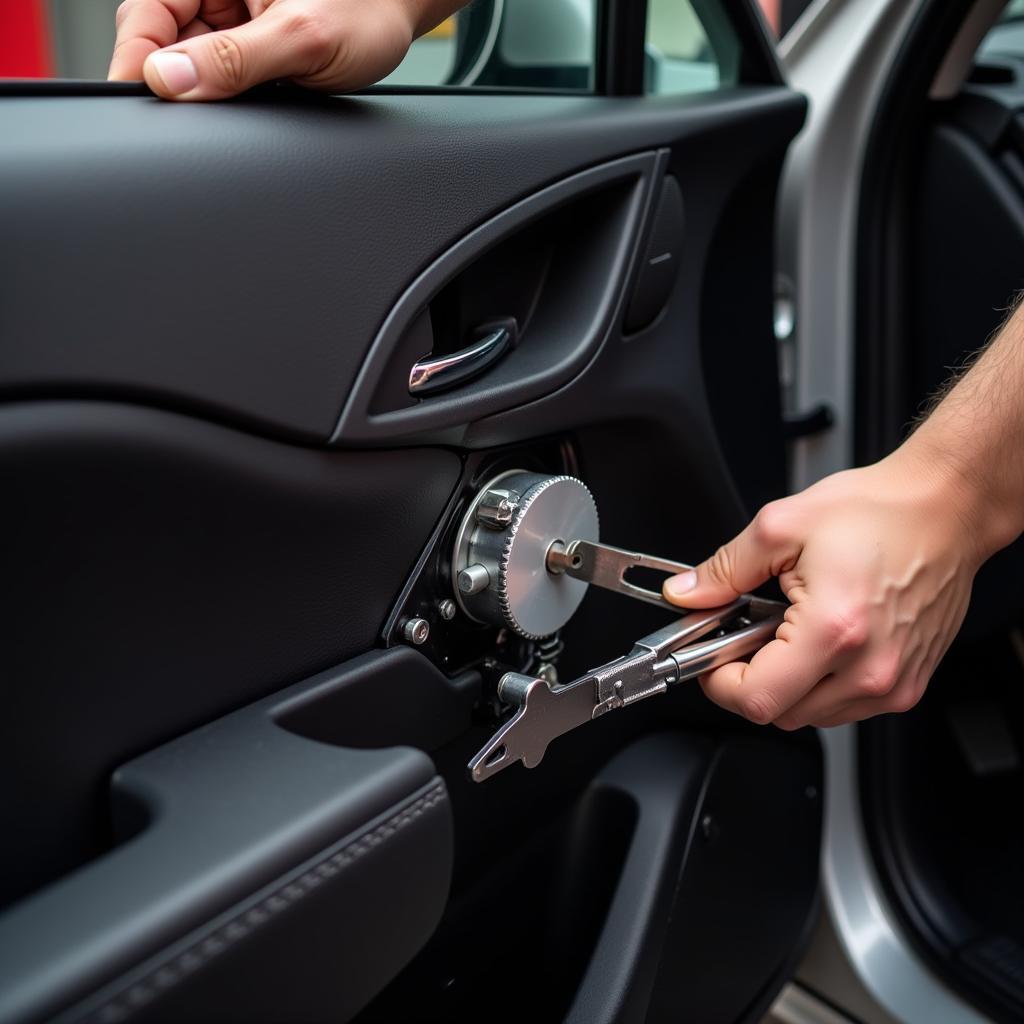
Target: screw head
{"x":416,"y":631}
{"x":446,"y":609}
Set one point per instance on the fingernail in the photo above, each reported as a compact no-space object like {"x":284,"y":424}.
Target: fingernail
{"x":176,"y":71}
{"x":681,"y":584}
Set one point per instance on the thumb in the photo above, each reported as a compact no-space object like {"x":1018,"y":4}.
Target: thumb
{"x":218,"y":65}
{"x":764,"y":549}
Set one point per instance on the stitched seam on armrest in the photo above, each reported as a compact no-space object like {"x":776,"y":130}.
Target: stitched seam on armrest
{"x":141,"y":993}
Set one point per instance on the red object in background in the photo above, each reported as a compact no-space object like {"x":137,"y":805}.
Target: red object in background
{"x":772,"y":10}
{"x":24,"y":40}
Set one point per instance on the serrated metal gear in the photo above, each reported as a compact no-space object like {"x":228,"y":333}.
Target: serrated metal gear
{"x":521,"y":594}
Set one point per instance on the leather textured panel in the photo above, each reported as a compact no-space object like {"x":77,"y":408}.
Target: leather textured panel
{"x":315,"y":945}
{"x":536,"y":365}
{"x":242,"y":840}
{"x":295,"y":223}
{"x":159,"y":571}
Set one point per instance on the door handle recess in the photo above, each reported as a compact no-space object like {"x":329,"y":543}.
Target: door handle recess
{"x":428,"y":376}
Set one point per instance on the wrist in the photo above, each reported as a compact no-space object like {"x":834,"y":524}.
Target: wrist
{"x":966,"y":491}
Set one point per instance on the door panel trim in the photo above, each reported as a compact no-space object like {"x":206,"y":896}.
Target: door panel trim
{"x":509,"y":384}
{"x":356,"y":196}
{"x":247,"y":844}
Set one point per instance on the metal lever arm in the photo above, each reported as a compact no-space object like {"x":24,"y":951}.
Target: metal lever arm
{"x":606,"y":567}
{"x":680,"y":651}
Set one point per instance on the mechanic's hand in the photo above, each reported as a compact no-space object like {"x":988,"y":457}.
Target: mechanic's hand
{"x":878,"y":564}
{"x":212,"y":49}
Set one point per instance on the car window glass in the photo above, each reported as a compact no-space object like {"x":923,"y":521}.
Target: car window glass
{"x":680,"y":55}
{"x":431,"y":58}
{"x":531,"y":44}
{"x":1006,"y":37}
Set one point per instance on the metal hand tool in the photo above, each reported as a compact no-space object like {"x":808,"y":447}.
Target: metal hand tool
{"x":695,"y":644}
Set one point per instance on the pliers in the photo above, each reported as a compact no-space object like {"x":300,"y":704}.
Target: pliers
{"x":694,"y":644}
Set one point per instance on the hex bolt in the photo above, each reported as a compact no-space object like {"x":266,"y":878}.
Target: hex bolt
{"x":497,"y":508}
{"x":446,"y":609}
{"x":473,"y":579}
{"x":416,"y":631}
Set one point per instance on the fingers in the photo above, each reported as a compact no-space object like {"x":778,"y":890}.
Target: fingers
{"x":324,"y":44}
{"x":830,"y":702}
{"x":874,"y":685}
{"x":817,"y":654}
{"x":766,"y":548}
{"x":194,"y":28}
{"x":779,"y":675}
{"x":902,"y":698}
{"x":216,"y":65}
{"x":144,"y":26}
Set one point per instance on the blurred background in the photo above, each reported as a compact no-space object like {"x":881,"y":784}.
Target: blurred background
{"x":73,"y":38}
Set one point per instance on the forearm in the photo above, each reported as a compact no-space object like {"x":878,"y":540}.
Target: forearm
{"x":973,"y":441}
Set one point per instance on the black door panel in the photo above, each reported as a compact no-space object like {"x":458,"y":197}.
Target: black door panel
{"x":576,"y":236}
{"x":292,"y":229}
{"x":244,"y":845}
{"x":612,"y":895}
{"x":159,"y":571}
{"x":236,"y":272}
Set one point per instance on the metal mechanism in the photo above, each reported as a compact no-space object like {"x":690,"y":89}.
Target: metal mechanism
{"x":428,"y":376}
{"x":694,"y":644}
{"x":524,"y":555}
{"x":501,"y":558}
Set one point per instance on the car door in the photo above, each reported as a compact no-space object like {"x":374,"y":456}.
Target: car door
{"x":241,"y":685}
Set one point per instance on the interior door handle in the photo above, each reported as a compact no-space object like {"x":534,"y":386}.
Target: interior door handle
{"x":429,"y":376}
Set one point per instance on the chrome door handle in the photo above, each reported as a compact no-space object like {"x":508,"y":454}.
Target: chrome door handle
{"x":428,"y":376}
